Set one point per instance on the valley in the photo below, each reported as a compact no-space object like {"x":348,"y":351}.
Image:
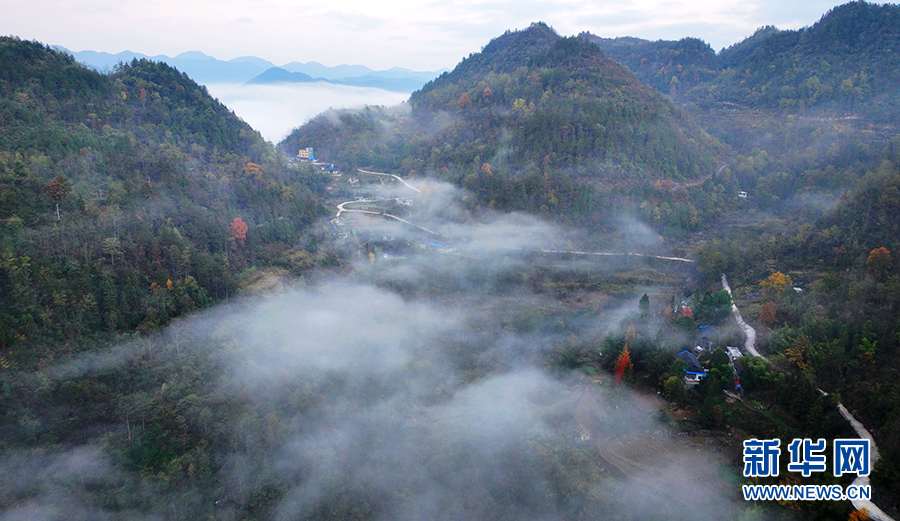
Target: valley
{"x":503,"y":299}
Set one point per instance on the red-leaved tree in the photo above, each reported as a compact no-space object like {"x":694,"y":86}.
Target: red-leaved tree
{"x":623,"y":366}
{"x":239,"y":228}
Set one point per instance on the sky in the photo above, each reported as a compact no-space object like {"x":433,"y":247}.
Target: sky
{"x":414,"y":34}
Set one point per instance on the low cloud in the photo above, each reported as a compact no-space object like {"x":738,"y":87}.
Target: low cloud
{"x":274,"y":110}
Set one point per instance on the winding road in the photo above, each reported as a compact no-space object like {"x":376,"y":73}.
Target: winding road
{"x":397,"y":177}
{"x":343,"y":208}
{"x":749,"y":344}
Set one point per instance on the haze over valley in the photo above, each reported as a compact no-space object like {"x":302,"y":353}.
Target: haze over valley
{"x":275,"y":110}
{"x":569,"y":277}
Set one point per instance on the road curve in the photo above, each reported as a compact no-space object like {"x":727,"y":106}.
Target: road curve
{"x":874,"y":512}
{"x":397,"y":177}
{"x":342,"y":208}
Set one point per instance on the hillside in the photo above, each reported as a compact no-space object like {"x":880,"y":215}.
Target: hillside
{"x":117,"y":197}
{"x":513,"y":371}
{"x":846,"y":63}
{"x":671,"y":67}
{"x":534,"y":121}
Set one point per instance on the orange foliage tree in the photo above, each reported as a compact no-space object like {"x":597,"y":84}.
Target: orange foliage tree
{"x":860,"y":515}
{"x":239,"y":228}
{"x":463,"y":101}
{"x":879,"y":261}
{"x":776,"y":283}
{"x":623,"y":366}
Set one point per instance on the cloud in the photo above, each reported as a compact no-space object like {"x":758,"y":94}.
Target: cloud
{"x":274,"y":110}
{"x":400,"y":389}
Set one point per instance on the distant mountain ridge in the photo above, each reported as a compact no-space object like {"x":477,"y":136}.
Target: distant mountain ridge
{"x":276,"y":75}
{"x":847,"y":62}
{"x":251,"y":69}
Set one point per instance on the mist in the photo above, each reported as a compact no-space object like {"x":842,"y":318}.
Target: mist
{"x":419,"y":386}
{"x":274,"y":110}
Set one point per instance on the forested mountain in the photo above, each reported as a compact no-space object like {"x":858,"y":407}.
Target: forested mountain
{"x":474,"y":377}
{"x":534,"y":121}
{"x":672,"y":67}
{"x":118,"y":200}
{"x":846,"y":63}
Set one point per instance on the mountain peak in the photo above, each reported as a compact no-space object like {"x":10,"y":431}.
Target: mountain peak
{"x":525,"y":42}
{"x":194,"y":55}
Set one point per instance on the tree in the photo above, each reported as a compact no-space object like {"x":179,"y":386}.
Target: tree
{"x":879,"y":261}
{"x":776,"y":283}
{"x":688,"y":325}
{"x":713,"y":307}
{"x":463,"y":101}
{"x":112,"y":247}
{"x":644,"y":305}
{"x":239,"y":228}
{"x":798,"y":353}
{"x":859,"y":515}
{"x":60,"y":188}
{"x":767,"y":314}
{"x":623,"y":367}
{"x":675,"y":390}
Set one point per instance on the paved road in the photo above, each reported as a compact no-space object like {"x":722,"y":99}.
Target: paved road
{"x":874,"y":512}
{"x":606,"y":254}
{"x":342,"y":208}
{"x":397,"y":177}
{"x":749,"y":332}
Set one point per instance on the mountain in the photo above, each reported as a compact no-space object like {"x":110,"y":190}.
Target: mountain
{"x":277,"y":75}
{"x":317,"y":70}
{"x":386,"y":83}
{"x":251,"y":69}
{"x":199,"y":66}
{"x":115,"y":185}
{"x":568,"y":101}
{"x":534,"y":121}
{"x":847,"y":62}
{"x":672,"y":67}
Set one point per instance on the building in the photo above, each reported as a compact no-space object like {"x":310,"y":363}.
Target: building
{"x":306,"y":154}
{"x":694,"y":371}
{"x":707,"y":336}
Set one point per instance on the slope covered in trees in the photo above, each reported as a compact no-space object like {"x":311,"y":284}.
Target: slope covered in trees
{"x":534,"y":121}
{"x":847,"y":62}
{"x":116,"y":197}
